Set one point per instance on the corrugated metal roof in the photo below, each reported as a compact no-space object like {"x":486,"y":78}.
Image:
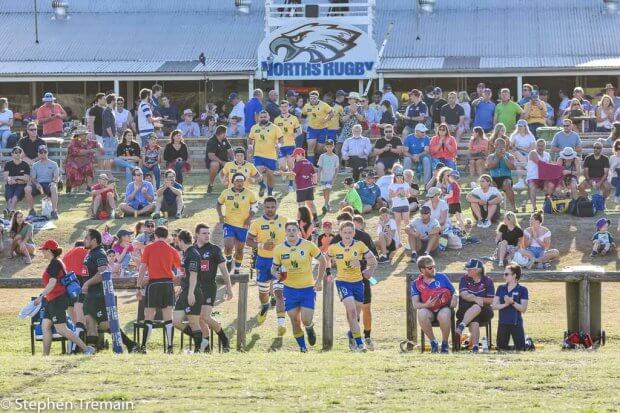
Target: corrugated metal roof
{"x":77,"y":67}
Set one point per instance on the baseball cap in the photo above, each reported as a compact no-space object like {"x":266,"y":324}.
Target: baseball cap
{"x":425,"y":209}
{"x":187,"y":112}
{"x":42,"y":148}
{"x":433,"y":192}
{"x":370,"y":174}
{"x":48,"y":97}
{"x":299,"y":151}
{"x":601,"y":222}
{"x":104,"y":176}
{"x":50,"y":244}
{"x":387,"y":86}
{"x":455,"y":174}
{"x":239,"y":150}
{"x":420,"y":127}
{"x":233,"y":96}
{"x":535,"y":93}
{"x":123,"y":233}
{"x":329,"y":142}
{"x":521,"y":122}
{"x":327,"y":223}
{"x":474,"y":263}
{"x":238,"y":177}
{"x":149,"y":222}
{"x":341,"y":92}
{"x":349,"y":181}
{"x":437,"y":90}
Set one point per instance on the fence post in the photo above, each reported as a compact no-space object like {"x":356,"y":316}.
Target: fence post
{"x":584,"y":305}
{"x":572,"y":306}
{"x":328,"y":314}
{"x":242,"y":310}
{"x":595,"y":310}
{"x":412,"y":322}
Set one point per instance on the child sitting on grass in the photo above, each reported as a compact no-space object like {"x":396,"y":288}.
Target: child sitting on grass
{"x":388,"y":238}
{"x":352,"y":198}
{"x":602,"y":240}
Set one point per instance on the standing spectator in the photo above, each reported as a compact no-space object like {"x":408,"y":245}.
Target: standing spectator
{"x":532,"y":177}
{"x":146,"y":120}
{"x":238,"y":111}
{"x":544,"y":96}
{"x":108,"y":128}
{"x":535,"y":112}
{"x":596,"y":172}
{"x":128,"y":154}
{"x":30,"y":144}
{"x":94,"y":119}
{"x":423,"y":234}
{"x":51,"y":116}
{"x":219,"y":151}
{"x":44,"y":177}
{"x":16,"y":176}
{"x":124,"y":120}
{"x":384,"y":179}
{"x":614,"y":168}
{"x":507,"y":111}
{"x":526,"y":94}
{"x":168,"y":111}
{"x":371,"y":113}
{"x":485,"y":110}
{"x":252,"y":109}
{"x":389,"y":148}
{"x":103,"y":197}
{"x":139,"y":196}
{"x":438,"y":103}
{"x":501,"y":164}
{"x":571,"y":165}
{"x":509,"y":238}
{"x":605,"y":113}
{"x":511,"y":300}
{"x":389,"y":96}
{"x":564,"y":104}
{"x":485,"y":202}
{"x":567,"y":137}
{"x":478,"y":93}
{"x":80,"y":161}
{"x":176,"y":155}
{"x":356,"y":150}
{"x":6,"y":122}
{"x":352,"y":114}
{"x":610,"y":90}
{"x":22,"y":237}
{"x":273,"y":107}
{"x":416,"y":112}
{"x":155,"y":98}
{"x":537,"y":243}
{"x":399,"y":192}
{"x":478,"y":147}
{"x":443,"y":147}
{"x":429,"y":99}
{"x":463,"y":99}
{"x":151,"y":158}
{"x":369,"y":193}
{"x":188,"y":127}
{"x":450,"y":179}
{"x":417,"y":152}
{"x":328,"y":170}
{"x":453,"y":115}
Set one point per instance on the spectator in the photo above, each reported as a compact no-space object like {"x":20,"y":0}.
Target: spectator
{"x":384,"y":179}
{"x":526,"y":94}
{"x":30,"y":144}
{"x":417,"y":152}
{"x":389,"y":96}
{"x":432,"y":307}
{"x":501,"y":164}
{"x":44,"y":177}
{"x":139,"y":196}
{"x":146,"y":120}
{"x":605,"y":114}
{"x":509,"y":238}
{"x":485,"y":202}
{"x":22,"y":237}
{"x":388,"y":236}
{"x":415,"y":113}
{"x":537,"y":243}
{"x":388,"y":148}
{"x":352,"y":115}
{"x":522,"y":142}
{"x":544,"y":96}
{"x":596,"y":172}
{"x":234,"y":129}
{"x":563,"y":106}
{"x":478,"y":147}
{"x":438,"y":103}
{"x":575,"y":113}
{"x":399,"y":192}
{"x":414,"y":191}
{"x":464,"y":100}
{"x":387,"y":116}
{"x":304,"y":220}
{"x":369,"y":193}
{"x":51,"y":115}
{"x":485,"y":110}
{"x":499,"y":131}
{"x":167,"y":111}
{"x":188,"y":127}
{"x":566,"y":138}
{"x":478,"y":93}
{"x":155,"y":98}
{"x":108,"y":128}
{"x":610,"y":90}
{"x":352,"y":198}
{"x":355,"y":151}
{"x":145,"y":235}
{"x":454,"y":116}
{"x":443,"y":147}
{"x":449,"y":180}
{"x":273,"y":107}
{"x":128,"y":154}
{"x":252,"y":109}
{"x":532,"y":176}
{"x":371,"y":114}
{"x":6,"y":122}
{"x":123,"y":250}
{"x":439,"y":211}
{"x":151,"y":158}
{"x":94,"y":117}
{"x":169,"y":197}
{"x":219,"y":151}
{"x":103,"y":197}
{"x":585,"y":104}
{"x":334,"y":123}
{"x":535,"y":112}
{"x":123,"y":117}
{"x":476,"y":292}
{"x":572,"y":170}
{"x":507,"y":111}
{"x":614,"y":168}
{"x":176,"y":155}
{"x":80,"y":161}
{"x":602,"y":240}
{"x":238,"y":111}
{"x":210,"y":124}
{"x":423,"y":234}
{"x":511,"y":300}
{"x":16,"y":177}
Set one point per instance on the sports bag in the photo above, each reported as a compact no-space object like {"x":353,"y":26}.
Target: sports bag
{"x":559,"y":206}
{"x":426,"y":293}
{"x":581,"y":207}
{"x":72,"y":286}
{"x":599,"y":202}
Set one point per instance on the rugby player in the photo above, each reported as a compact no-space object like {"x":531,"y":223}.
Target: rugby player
{"x":292,"y":265}
{"x":240,"y":204}
{"x":290,"y":127}
{"x":265,"y":233}
{"x":318,"y":114}
{"x":263,"y":145}
{"x":240,"y":165}
{"x":347,"y":255}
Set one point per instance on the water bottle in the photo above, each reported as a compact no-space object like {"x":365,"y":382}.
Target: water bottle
{"x":443,"y":243}
{"x":485,"y":345}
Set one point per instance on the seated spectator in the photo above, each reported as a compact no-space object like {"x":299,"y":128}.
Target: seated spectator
{"x":51,"y":115}
{"x":30,"y":144}
{"x":544,"y":97}
{"x":80,"y":161}
{"x":352,"y":198}
{"x":614,"y":171}
{"x":501,"y":164}
{"x":128,"y":154}
{"x":596,"y":172}
{"x":388,"y":236}
{"x":354,"y":114}
{"x":415,"y":114}
{"x":387,"y":115}
{"x":535,"y":112}
{"x":168,"y":111}
{"x":532,"y":176}
{"x":509,"y":238}
{"x":613,"y":136}
{"x":219,"y":152}
{"x":44,"y":177}
{"x":439,"y":211}
{"x":16,"y":176}
{"x":144,"y":235}
{"x":537,"y":243}
{"x":476,"y":292}
{"x":235,"y":127}
{"x":123,"y":250}
{"x":104,"y":198}
{"x":443,"y":147}
{"x":485,"y":110}
{"x":485,"y":202}
{"x":602,"y":240}
{"x":151,"y":158}
{"x":499,"y":131}
{"x":605,"y":114}
{"x":208,"y":130}
{"x":464,"y":102}
{"x":139,"y":196}
{"x":369,"y":192}
{"x":188,"y":127}
{"x":176,"y":155}
{"x":169,"y":197}
{"x":511,"y":301}
{"x":478,"y":147}
{"x":6,"y":122}
{"x":388,"y":148}
{"x":522,"y":143}
{"x":416,"y":156}
{"x":433,"y":307}
{"x":567,"y":137}
{"x":434,"y":181}
{"x":571,"y":165}
{"x":575,"y":114}
{"x":237,"y":113}
{"x":22,"y":237}
{"x":414,"y":190}
{"x":355,"y":151}
{"x":423,"y":234}
{"x":453,"y":115}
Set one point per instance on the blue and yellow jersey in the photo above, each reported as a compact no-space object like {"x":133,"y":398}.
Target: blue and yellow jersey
{"x":247,"y":169}
{"x":288,"y":125}
{"x":343,"y":256}
{"x":334,"y":122}
{"x":238,"y":205}
{"x":268,"y":229}
{"x":265,"y":140}
{"x":316,"y":114}
{"x":297,"y":259}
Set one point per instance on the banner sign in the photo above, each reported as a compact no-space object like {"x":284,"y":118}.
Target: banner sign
{"x":311,"y":50}
{"x":110,"y":305}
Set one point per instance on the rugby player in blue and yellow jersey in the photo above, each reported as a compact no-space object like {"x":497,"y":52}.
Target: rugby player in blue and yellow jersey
{"x":292,"y":265}
{"x":263,"y":145}
{"x":318,"y":114}
{"x":347,"y":255}
{"x":265,"y":233}
{"x":240,"y":165}
{"x":290,"y":127}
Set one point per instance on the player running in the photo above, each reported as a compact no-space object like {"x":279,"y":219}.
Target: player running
{"x":263,"y":145}
{"x":211,"y":258}
{"x":240,"y":165}
{"x":240,"y":204}
{"x":319,"y":114}
{"x":265,"y":233}
{"x":290,"y":127}
{"x":347,"y":255}
{"x":292,"y":265}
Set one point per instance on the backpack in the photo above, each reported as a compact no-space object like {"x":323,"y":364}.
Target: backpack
{"x":599,"y":202}
{"x":577,"y":340}
{"x":559,"y":206}
{"x":445,"y":295}
{"x":72,"y":286}
{"x":581,"y":207}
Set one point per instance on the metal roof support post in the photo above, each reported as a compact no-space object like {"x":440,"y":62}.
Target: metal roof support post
{"x":276,"y":87}
{"x":380,"y":85}
{"x":117,"y":87}
{"x":371,"y":20}
{"x":360,"y":86}
{"x":519,"y":87}
{"x":250,"y":86}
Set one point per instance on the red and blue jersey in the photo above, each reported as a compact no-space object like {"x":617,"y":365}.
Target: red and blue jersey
{"x":440,"y":281}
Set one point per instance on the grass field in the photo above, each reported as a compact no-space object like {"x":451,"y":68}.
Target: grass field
{"x":266,"y":380}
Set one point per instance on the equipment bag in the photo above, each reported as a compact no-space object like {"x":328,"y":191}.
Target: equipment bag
{"x":599,"y":202}
{"x":581,"y":207}
{"x":445,"y":295}
{"x":72,"y":286}
{"x":559,"y":206}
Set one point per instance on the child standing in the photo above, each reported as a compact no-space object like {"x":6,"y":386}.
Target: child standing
{"x":328,"y":169}
{"x":352,"y":198}
{"x":305,"y":181}
{"x":602,"y":240}
{"x":325,"y":239}
{"x":453,"y":196}
{"x":399,"y":192}
{"x":388,"y":239}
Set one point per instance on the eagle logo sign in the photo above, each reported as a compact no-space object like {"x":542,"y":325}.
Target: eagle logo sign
{"x":323,"y":42}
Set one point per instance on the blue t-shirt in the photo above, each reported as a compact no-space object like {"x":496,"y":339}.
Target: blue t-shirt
{"x":413,"y":111}
{"x":441,"y":281}
{"x":416,"y":145}
{"x":484,"y":288}
{"x":501,"y":170}
{"x":603,"y":237}
{"x":510,"y":315}
{"x":484,"y":115}
{"x":368,"y":194}
{"x":139,"y":199}
{"x":169,"y":196}
{"x":253,"y":106}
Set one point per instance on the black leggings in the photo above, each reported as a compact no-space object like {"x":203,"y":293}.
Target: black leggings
{"x":505,"y":331}
{"x":357,"y":164}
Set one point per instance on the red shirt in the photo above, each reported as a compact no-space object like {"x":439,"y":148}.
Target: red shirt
{"x":104,"y":194}
{"x":456,"y":194}
{"x":55,"y":269}
{"x":303,"y":174}
{"x":446,"y":151}
{"x":160,"y":258}
{"x":74,"y":261}
{"x":55,"y":125}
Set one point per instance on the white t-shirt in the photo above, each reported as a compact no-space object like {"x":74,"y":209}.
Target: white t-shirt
{"x":436,"y":212}
{"x":121,"y":118}
{"x":485,"y":196}
{"x":239,"y":110}
{"x":391,"y":224}
{"x":522,"y":142}
{"x":398,"y":201}
{"x":535,"y":243}
{"x":532,"y":168}
{"x":5,"y":117}
{"x":384,"y":183}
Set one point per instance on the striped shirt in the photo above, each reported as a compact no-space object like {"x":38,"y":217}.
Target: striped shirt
{"x":144,"y":113}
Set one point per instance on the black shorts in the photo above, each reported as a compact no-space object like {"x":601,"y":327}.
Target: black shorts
{"x":169,"y":205}
{"x":183,"y":305}
{"x":209,"y":292}
{"x":56,"y":310}
{"x":15,"y":190}
{"x":367,"y":291}
{"x":305,"y":194}
{"x":499,"y":181}
{"x":159,"y":294}
{"x":392,"y":247}
{"x":94,"y":306}
{"x":46,"y":189}
{"x":485,"y":315}
{"x":454,"y":208}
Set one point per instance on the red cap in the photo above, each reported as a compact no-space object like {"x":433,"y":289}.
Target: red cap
{"x":50,"y":244}
{"x":299,"y":151}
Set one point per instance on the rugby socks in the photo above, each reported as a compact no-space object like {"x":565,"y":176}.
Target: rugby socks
{"x":262,"y":185}
{"x":300,"y":340}
{"x":264,"y":308}
{"x":270,"y":190}
{"x":281,"y":320}
{"x":358,"y":339}
{"x":366,"y":333}
{"x":148,"y":329}
{"x":237,"y":265}
{"x":169,"y":327}
{"x":223,"y":339}
{"x":229,"y":262}
{"x":197,"y":335}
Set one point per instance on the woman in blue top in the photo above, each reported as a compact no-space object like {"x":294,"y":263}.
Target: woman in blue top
{"x":511,"y":301}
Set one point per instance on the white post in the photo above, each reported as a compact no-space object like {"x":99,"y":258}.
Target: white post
{"x":519,"y":87}
{"x":360,"y":86}
{"x":117,"y":87}
{"x":250,"y":86}
{"x":33,"y":93}
{"x":380,"y":85}
{"x":276,"y":86}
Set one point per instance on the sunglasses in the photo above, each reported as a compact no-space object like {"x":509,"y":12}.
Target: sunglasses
{"x":137,"y":174}
{"x":430,"y":267}
{"x":32,"y":129}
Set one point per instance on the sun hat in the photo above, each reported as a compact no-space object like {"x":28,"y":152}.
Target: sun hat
{"x":433,"y":192}
{"x":601,"y":222}
{"x":568,"y":153}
